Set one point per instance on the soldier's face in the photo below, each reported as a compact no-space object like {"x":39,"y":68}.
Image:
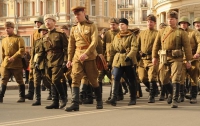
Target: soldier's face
{"x":80,"y":16}
{"x":113,"y":26}
{"x":197,"y":26}
{"x":65,"y":31}
{"x":38,"y":24}
{"x":150,"y":24}
{"x":123,"y":27}
{"x":43,"y":32}
{"x":9,"y":30}
{"x":184,"y":25}
{"x":50,"y":23}
{"x":172,"y":22}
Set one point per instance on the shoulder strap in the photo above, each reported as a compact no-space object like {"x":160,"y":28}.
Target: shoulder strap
{"x":82,"y":34}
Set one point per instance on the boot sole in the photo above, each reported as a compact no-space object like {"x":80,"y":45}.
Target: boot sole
{"x":53,"y":108}
{"x":72,"y":110}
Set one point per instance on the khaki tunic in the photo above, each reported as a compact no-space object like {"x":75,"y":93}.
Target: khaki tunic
{"x":194,"y":38}
{"x":147,"y":72}
{"x":177,"y":39}
{"x":12,"y":46}
{"x":122,"y":47}
{"x":78,"y":46}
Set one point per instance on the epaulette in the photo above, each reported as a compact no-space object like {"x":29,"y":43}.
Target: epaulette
{"x":89,"y":22}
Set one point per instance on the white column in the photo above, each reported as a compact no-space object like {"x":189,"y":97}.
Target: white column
{"x":162,"y":17}
{"x":44,"y":7}
{"x":21,"y":9}
{"x":54,"y":4}
{"x":31,"y":8}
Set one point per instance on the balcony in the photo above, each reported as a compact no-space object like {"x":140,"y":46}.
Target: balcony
{"x":125,"y":6}
{"x":162,"y":2}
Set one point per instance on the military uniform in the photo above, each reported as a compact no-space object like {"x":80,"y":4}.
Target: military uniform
{"x":169,"y":44}
{"x":194,"y":39}
{"x":55,"y":47}
{"x":12,"y":47}
{"x":122,"y":57}
{"x":83,"y":40}
{"x":35,"y":36}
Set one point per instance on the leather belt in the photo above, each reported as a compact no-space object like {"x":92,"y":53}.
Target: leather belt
{"x":82,"y":47}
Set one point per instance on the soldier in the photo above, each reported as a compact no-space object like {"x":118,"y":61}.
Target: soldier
{"x":169,"y":43}
{"x":13,"y":49}
{"x":65,"y":29}
{"x":107,"y":39}
{"x":36,"y":35}
{"x":122,"y":57}
{"x":38,"y":66}
{"x":194,"y":39}
{"x":148,"y":72}
{"x":82,"y":49}
{"x":196,"y":23}
{"x":55,"y":46}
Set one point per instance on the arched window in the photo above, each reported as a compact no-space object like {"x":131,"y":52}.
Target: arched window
{"x":50,"y":7}
{"x":26,"y":6}
{"x":3,"y":10}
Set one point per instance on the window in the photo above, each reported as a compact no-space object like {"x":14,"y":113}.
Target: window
{"x":3,"y":10}
{"x":130,"y":2}
{"x":26,"y":40}
{"x":82,"y":3}
{"x":126,"y":14}
{"x":105,"y":7}
{"x":50,"y":7}
{"x":144,"y":15}
{"x":93,"y":7}
{"x":26,"y":8}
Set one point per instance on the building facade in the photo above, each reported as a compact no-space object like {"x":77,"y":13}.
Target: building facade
{"x":24,"y":12}
{"x":135,"y":11}
{"x":189,"y":8}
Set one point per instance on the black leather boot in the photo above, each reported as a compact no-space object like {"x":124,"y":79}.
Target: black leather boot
{"x":139,"y":89}
{"x":176,"y":91}
{"x":147,"y":86}
{"x":157,"y":92}
{"x":162,"y":94}
{"x":49,"y":97}
{"x":125,"y":88}
{"x":64,"y":83}
{"x":62,"y":94}
{"x":133,"y":93}
{"x":182,"y":93}
{"x":2,"y":92}
{"x":82,"y":94}
{"x":98,"y":94}
{"x":120,"y":93}
{"x":89,"y":95}
{"x":194,"y":95}
{"x":21,"y":93}
{"x":101,"y":86}
{"x":55,"y":98}
{"x":169,"y":89}
{"x":115,"y":89}
{"x":75,"y":100}
{"x":110,"y":93}
{"x":30,"y":94}
{"x":152,"y":92}
{"x":37,"y":96}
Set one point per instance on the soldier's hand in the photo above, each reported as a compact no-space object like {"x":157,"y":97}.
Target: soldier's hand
{"x":127,"y":59}
{"x":196,"y":56}
{"x":69,"y":64}
{"x":83,"y":57}
{"x":154,"y":61}
{"x":188,"y":65}
{"x":10,"y":59}
{"x":64,"y":64}
{"x":37,"y":66}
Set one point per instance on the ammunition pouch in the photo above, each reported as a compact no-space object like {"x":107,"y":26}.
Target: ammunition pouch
{"x":145,"y":56}
{"x":177,"y":53}
{"x":163,"y":56}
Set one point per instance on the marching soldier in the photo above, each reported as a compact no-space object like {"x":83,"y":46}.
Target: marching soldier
{"x":146,"y":70}
{"x":13,"y":49}
{"x":194,"y":39}
{"x":38,"y":66}
{"x":122,"y":57}
{"x":55,"y":47}
{"x":36,"y":35}
{"x":82,"y":49}
{"x":169,"y":43}
{"x":196,"y":23}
